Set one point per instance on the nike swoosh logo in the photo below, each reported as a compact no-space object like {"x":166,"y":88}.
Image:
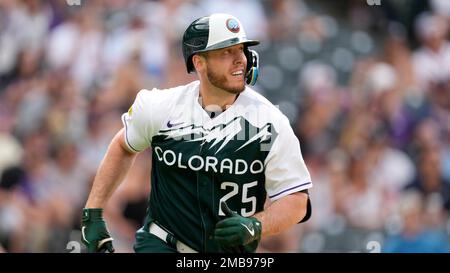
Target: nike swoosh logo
{"x":251,"y":231}
{"x":82,"y":233}
{"x":170,"y":125}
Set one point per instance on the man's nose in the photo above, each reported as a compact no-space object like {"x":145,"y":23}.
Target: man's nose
{"x":239,"y":58}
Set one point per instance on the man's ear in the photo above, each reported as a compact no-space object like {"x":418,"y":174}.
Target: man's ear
{"x":199,"y":62}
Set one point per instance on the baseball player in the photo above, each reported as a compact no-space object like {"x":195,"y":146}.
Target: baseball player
{"x":218,"y":150}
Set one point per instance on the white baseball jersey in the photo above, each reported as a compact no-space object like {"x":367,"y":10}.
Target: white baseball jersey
{"x":242,"y":155}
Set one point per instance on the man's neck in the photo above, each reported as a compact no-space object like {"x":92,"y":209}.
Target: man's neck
{"x":215,"y":96}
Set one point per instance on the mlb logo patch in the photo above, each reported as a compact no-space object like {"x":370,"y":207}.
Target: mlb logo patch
{"x":233,"y":25}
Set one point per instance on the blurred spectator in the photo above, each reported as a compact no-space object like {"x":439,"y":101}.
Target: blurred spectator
{"x":386,"y":102}
{"x":441,"y":7}
{"x":331,"y":177}
{"x":101,"y":123}
{"x":429,"y":179}
{"x":361,"y":201}
{"x":321,"y":113}
{"x":284,"y":18}
{"x":427,"y":135}
{"x":68,"y":177}
{"x":415,"y":235}
{"x":397,"y":53}
{"x":251,"y":13}
{"x":128,"y":79}
{"x":23,"y":29}
{"x":75,"y":45}
{"x":432,"y":59}
{"x":391,"y":169}
{"x":12,"y":210}
{"x":11,"y":148}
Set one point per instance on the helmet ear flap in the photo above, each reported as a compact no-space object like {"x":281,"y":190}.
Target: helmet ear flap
{"x":190,"y":65}
{"x":252,"y":66}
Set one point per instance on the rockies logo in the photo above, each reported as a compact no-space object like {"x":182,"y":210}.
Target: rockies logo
{"x":233,"y":25}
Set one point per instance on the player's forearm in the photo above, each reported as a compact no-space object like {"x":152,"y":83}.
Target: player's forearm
{"x":283,"y":213}
{"x":111,"y":172}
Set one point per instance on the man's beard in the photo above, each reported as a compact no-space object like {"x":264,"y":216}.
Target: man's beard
{"x":221,"y":82}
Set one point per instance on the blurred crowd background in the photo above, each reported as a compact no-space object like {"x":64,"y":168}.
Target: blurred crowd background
{"x":365,"y":86}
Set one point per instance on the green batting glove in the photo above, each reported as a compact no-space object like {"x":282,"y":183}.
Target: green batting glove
{"x":237,"y":231}
{"x":94,"y":233}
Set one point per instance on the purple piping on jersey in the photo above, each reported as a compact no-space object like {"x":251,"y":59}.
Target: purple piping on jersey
{"x":289,"y":189}
{"x":126,"y":135}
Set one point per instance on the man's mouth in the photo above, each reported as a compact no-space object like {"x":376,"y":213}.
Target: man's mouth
{"x":238,"y":73}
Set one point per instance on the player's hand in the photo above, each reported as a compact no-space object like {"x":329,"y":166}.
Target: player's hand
{"x":94,"y":233}
{"x":237,"y":231}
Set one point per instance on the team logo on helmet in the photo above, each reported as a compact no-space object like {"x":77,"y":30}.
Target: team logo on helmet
{"x":233,"y":25}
